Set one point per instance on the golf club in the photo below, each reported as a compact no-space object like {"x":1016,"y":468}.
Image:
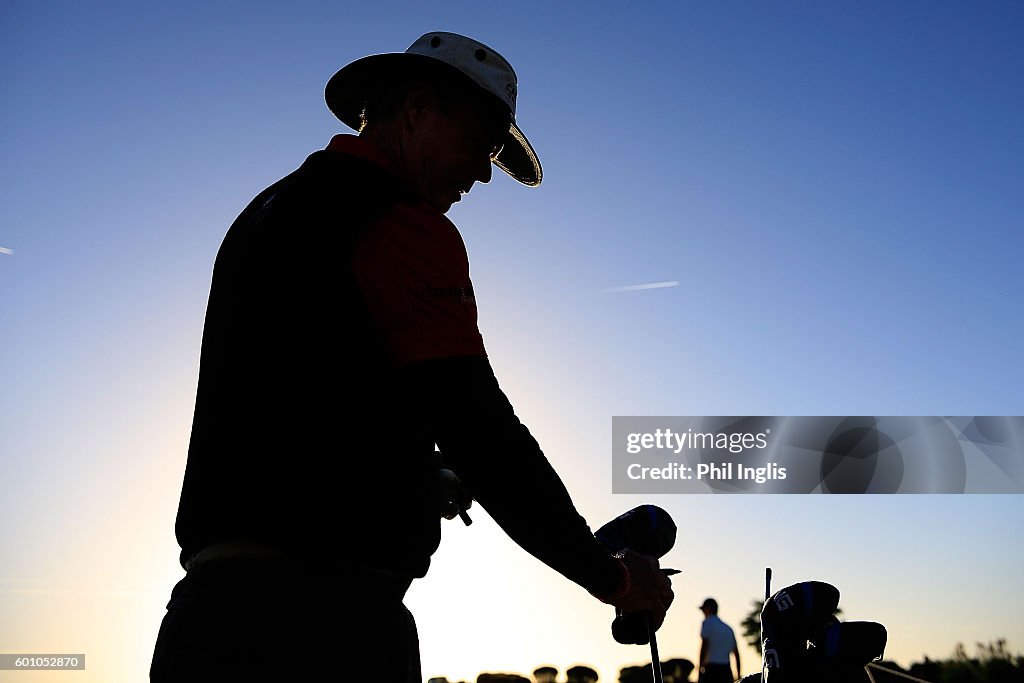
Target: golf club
{"x":648,"y":530}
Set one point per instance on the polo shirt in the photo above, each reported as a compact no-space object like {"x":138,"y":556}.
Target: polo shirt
{"x":325,"y":286}
{"x":719,"y":638}
{"x":340,"y":345}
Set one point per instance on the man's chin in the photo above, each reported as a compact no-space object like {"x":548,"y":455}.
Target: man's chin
{"x":443,"y":205}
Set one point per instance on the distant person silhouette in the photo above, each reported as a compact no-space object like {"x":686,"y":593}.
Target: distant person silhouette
{"x":636,"y":674}
{"x":717,"y":642}
{"x":340,"y":346}
{"x":581,"y":674}
{"x":676,"y":670}
{"x":501,"y":678}
{"x":545,"y":674}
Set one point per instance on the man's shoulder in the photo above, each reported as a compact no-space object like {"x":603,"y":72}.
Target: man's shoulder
{"x":328,"y":189}
{"x":340,"y":178}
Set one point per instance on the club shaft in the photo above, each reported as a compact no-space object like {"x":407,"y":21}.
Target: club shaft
{"x":655,"y":658}
{"x":767,"y":595}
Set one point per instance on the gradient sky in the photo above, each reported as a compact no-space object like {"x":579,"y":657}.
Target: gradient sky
{"x":836,"y":187}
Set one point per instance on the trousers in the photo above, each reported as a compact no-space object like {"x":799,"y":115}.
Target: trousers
{"x":273,"y":620}
{"x":716,"y":673}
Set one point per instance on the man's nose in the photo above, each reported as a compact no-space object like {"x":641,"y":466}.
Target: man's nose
{"x":483,"y":173}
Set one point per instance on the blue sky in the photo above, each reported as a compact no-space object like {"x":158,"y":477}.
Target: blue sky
{"x":835,"y":186}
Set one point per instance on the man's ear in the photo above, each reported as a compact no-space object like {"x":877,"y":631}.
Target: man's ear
{"x":420,"y":102}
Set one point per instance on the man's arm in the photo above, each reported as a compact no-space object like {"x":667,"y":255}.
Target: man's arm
{"x":464,"y":410}
{"x":736,"y":654}
{"x":702,"y":659}
{"x":413,"y":274}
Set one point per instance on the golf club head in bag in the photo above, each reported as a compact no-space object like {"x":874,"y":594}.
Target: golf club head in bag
{"x":804,"y":642}
{"x":852,"y":643}
{"x":791,"y":618}
{"x":647,"y":530}
{"x":840,"y":654}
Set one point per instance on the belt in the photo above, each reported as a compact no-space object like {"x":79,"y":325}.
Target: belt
{"x":235,"y":548}
{"x":240,"y":549}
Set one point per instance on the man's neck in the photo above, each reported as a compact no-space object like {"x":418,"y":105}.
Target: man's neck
{"x":390,"y":144}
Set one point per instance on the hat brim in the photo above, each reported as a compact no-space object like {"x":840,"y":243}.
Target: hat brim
{"x":348,"y":89}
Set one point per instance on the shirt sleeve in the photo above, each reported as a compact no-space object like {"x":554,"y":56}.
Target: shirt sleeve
{"x":413,"y":271}
{"x":502,"y":466}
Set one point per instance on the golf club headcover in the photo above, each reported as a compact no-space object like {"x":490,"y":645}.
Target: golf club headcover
{"x":852,"y":643}
{"x":803,"y":642}
{"x":791,"y":618}
{"x":647,"y":530}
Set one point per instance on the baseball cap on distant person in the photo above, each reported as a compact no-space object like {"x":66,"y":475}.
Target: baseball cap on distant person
{"x":709,"y":604}
{"x":348,"y":89}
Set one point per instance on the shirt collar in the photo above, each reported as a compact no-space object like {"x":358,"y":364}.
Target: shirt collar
{"x":367,"y":150}
{"x":360,"y":147}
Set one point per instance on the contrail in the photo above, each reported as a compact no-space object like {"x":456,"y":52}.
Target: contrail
{"x":648,"y":285}
{"x":5,"y":250}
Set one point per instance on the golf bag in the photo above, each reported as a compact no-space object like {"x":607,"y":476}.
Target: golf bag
{"x":803,"y":642}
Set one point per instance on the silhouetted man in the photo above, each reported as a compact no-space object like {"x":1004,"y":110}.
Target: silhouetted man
{"x":340,"y":346}
{"x":717,"y":642}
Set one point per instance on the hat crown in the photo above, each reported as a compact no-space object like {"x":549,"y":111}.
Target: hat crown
{"x":485,"y":66}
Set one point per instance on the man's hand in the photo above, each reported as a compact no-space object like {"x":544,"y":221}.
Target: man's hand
{"x":455,"y":498}
{"x":650,"y":589}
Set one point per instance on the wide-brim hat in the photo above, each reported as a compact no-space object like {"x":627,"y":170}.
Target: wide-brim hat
{"x":348,"y":89}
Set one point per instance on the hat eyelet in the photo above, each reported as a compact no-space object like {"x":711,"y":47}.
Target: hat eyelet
{"x":480,"y":55}
{"x":435,"y":41}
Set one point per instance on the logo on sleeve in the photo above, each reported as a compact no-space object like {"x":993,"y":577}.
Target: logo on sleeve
{"x":464,"y":295}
